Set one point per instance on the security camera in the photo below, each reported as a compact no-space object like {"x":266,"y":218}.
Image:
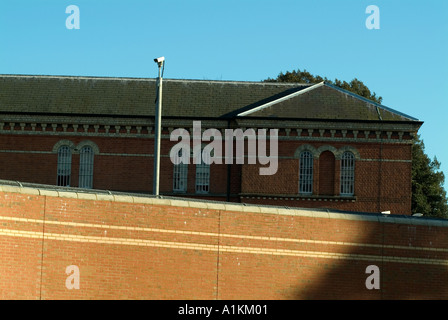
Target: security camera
{"x":159,"y":60}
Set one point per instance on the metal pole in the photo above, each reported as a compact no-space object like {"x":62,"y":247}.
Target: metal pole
{"x":158,"y":121}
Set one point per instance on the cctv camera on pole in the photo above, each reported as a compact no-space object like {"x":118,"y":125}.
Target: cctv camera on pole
{"x":158,"y":121}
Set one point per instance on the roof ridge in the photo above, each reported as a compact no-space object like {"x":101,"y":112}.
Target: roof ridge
{"x":287,"y":84}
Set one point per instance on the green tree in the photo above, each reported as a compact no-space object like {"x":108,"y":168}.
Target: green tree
{"x":428,"y":193}
{"x":355,"y":86}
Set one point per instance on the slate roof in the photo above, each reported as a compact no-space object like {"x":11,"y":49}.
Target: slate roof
{"x":135,"y":97}
{"x":131,"y":96}
{"x":324,"y":101}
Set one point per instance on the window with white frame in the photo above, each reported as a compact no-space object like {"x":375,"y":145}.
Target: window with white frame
{"x":64,"y":166}
{"x":203,"y":175}
{"x":347,"y":174}
{"x":306,"y":172}
{"x":180,"y":174}
{"x":86,"y":156}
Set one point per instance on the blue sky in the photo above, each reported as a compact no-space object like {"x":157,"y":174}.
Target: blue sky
{"x":405,"y":61}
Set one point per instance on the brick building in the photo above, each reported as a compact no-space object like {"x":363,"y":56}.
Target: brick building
{"x":335,"y":149}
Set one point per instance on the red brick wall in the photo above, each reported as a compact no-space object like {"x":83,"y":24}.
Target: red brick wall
{"x":327,"y":174}
{"x":144,"y":248}
{"x":125,"y":164}
{"x":379,"y":185}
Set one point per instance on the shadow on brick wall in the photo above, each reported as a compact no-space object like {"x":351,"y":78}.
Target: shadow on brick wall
{"x":412,"y":261}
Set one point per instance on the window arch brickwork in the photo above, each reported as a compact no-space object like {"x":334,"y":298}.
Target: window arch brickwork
{"x":327,"y":170}
{"x":65,"y":149}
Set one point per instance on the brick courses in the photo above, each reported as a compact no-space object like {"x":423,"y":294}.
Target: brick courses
{"x":132,"y":247}
{"x":126,"y":164}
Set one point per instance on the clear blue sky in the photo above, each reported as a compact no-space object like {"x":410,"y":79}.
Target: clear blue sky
{"x":405,"y":61}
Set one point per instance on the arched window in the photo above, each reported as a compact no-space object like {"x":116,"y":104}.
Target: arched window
{"x":180,"y":173}
{"x":203,"y":175}
{"x":306,"y":172}
{"x":64,"y":166}
{"x":347,"y":174}
{"x":86,"y":155}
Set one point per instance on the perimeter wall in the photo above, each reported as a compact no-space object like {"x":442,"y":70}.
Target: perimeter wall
{"x":131,"y":247}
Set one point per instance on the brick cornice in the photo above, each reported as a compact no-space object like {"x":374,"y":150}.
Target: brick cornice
{"x":144,"y":127}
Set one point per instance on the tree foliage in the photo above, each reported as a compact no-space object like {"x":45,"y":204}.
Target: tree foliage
{"x":428,"y":194}
{"x":355,"y":86}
